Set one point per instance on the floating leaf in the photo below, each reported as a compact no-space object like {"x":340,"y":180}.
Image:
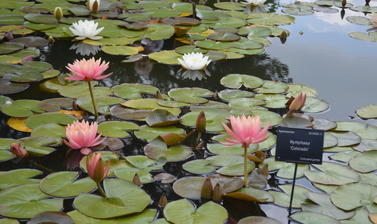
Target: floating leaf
{"x":285,"y":170}
{"x":346,"y":138}
{"x":313,"y":218}
{"x":165,"y":57}
{"x":314,"y":105}
{"x":63,"y":184}
{"x":121,"y":50}
{"x":159,"y":118}
{"x":270,"y":19}
{"x":46,"y":118}
{"x":365,"y":131}
{"x":258,"y":220}
{"x":116,"y":129}
{"x":332,"y":174}
{"x":370,"y":36}
{"x":282,"y":198}
{"x":183,"y":211}
{"x":150,"y":104}
{"x":29,"y":202}
{"x":158,"y":150}
{"x":239,"y":80}
{"x":199,"y":166}
{"x":120,"y":194}
{"x":364,"y":162}
{"x":17,"y":177}
{"x":368,"y":111}
{"x":133,"y":91}
{"x":150,"y":133}
{"x":21,"y":108}
{"x":190,"y":95}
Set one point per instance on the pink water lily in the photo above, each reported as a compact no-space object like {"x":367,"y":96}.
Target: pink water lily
{"x":87,"y":70}
{"x":298,"y":102}
{"x":82,"y":136}
{"x":245,"y":130}
{"x":18,"y":150}
{"x":96,"y":169}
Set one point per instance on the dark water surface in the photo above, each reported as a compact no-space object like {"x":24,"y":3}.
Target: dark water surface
{"x":318,"y":53}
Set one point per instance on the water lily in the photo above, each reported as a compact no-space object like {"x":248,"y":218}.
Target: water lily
{"x":94,"y":5}
{"x":245,"y":130}
{"x":88,"y":70}
{"x":82,"y":136}
{"x":96,"y":170}
{"x":85,"y":49}
{"x":255,"y":2}
{"x":18,"y":150}
{"x":86,"y":29}
{"x":58,"y":13}
{"x":194,"y":61}
{"x":298,"y":102}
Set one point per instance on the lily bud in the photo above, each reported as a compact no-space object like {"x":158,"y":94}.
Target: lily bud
{"x":96,"y":169}
{"x":58,"y":13}
{"x":201,"y":122}
{"x":207,"y":189}
{"x":136,"y":180}
{"x":163,"y":201}
{"x":94,"y":5}
{"x":344,"y":3}
{"x":18,"y":150}
{"x":283,"y":37}
{"x":218,"y":192}
{"x":298,"y":102}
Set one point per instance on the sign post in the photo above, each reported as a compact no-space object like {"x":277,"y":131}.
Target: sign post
{"x":298,"y":146}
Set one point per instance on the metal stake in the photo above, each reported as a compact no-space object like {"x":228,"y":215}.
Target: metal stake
{"x":292,"y":191}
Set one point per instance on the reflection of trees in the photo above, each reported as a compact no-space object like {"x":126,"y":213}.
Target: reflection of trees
{"x":166,"y":77}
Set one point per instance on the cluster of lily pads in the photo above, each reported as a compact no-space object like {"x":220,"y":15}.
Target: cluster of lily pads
{"x":299,"y":8}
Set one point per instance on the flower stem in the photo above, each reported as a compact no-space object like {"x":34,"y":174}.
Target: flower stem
{"x":93,"y":102}
{"x":245,"y":173}
{"x":101,"y":189}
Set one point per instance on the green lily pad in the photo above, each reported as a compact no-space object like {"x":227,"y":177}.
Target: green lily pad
{"x":329,"y":140}
{"x":40,"y":18}
{"x":239,"y":80}
{"x":51,"y":130}
{"x":121,"y":50}
{"x":364,"y":162}
{"x":245,"y":103}
{"x":150,"y":133}
{"x":160,"y":118}
{"x":272,"y":100}
{"x":251,"y":194}
{"x":351,"y":196}
{"x":359,"y":20}
{"x":26,"y":201}
{"x":141,"y":218}
{"x":82,"y":90}
{"x":346,"y":138}
{"x":191,"y":187}
{"x":323,"y":205}
{"x":158,"y":150}
{"x":370,"y":36}
{"x":314,"y":105}
{"x":332,"y":174}
{"x":345,"y":156}
{"x":361,"y":216}
{"x":272,"y":87}
{"x":39,"y":145}
{"x":133,"y":90}
{"x":285,"y":170}
{"x":7,"y":48}
{"x":103,"y":103}
{"x":199,"y":166}
{"x":368,"y":111}
{"x":313,"y":218}
{"x":47,"y":118}
{"x":190,"y":95}
{"x":270,"y":19}
{"x":365,"y":131}
{"x":229,"y":5}
{"x":8,"y":221}
{"x":150,"y":104}
{"x":223,"y":36}
{"x":120,"y":194}
{"x":56,"y":104}
{"x":165,"y":57}
{"x":116,"y":129}
{"x":63,"y":184}
{"x":366,"y":145}
{"x":21,"y":108}
{"x":323,"y":124}
{"x":230,"y":165}
{"x":295,"y":89}
{"x":213,"y":119}
{"x":229,"y":94}
{"x":7,"y":87}
{"x":255,"y":31}
{"x":17,"y":177}
{"x":282,"y":198}
{"x":183,"y":212}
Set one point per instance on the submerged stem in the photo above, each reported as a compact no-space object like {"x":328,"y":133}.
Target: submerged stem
{"x":245,"y":173}
{"x":92,"y":96}
{"x":101,"y":189}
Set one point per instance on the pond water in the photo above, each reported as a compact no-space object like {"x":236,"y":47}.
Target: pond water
{"x":318,"y":53}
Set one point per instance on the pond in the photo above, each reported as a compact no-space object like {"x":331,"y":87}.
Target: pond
{"x":166,"y":166}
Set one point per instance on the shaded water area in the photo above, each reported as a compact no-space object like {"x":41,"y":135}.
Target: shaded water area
{"x":317,"y":53}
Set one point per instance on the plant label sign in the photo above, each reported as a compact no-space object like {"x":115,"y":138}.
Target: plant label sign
{"x":296,"y":145}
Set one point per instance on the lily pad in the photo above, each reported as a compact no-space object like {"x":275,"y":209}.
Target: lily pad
{"x":183,"y":212}
{"x":103,"y":103}
{"x":116,"y":129}
{"x":230,"y":94}
{"x":63,"y":184}
{"x":213,"y":119}
{"x":120,"y":194}
{"x":160,"y":118}
{"x":21,"y":108}
{"x":370,"y":36}
{"x":251,"y":194}
{"x":150,"y":104}
{"x":150,"y":133}
{"x":366,"y":145}
{"x":190,"y":95}
{"x":270,"y":19}
{"x":363,"y":130}
{"x":166,"y":57}
{"x":239,"y":80}
{"x":199,"y":166}
{"x":285,"y":170}
{"x":359,"y":20}
{"x":258,"y":220}
{"x":282,"y":198}
{"x":7,"y":87}
{"x":313,"y":218}
{"x":346,"y":138}
{"x":17,"y":177}
{"x":46,"y":118}
{"x":26,"y":201}
{"x":332,"y":174}
{"x":133,"y":90}
{"x":364,"y":162}
{"x":314,"y":105}
{"x":351,"y":196}
{"x":158,"y":150}
{"x":368,"y":111}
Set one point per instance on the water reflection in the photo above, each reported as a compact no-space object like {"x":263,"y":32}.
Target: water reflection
{"x":85,"y":49}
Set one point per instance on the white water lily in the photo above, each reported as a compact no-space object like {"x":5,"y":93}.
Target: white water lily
{"x":194,"y":61}
{"x":86,"y":29}
{"x":256,"y":2}
{"x":91,"y":3}
{"x":85,"y":49}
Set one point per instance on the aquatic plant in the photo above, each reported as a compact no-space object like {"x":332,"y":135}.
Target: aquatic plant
{"x":96,"y":169}
{"x":194,"y":61}
{"x":84,"y":29}
{"x":94,"y":5}
{"x":82,"y":136}
{"x":88,"y":70}
{"x":245,"y":130}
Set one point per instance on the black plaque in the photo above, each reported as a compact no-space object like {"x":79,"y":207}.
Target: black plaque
{"x":296,"y":145}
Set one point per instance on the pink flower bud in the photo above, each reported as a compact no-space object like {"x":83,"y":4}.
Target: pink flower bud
{"x":96,"y":169}
{"x":17,"y":149}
